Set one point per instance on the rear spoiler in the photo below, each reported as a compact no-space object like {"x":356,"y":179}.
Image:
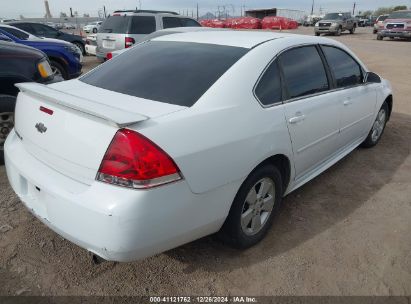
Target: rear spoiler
{"x":118,"y":117}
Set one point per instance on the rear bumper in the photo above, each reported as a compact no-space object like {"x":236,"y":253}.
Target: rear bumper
{"x":116,"y":223}
{"x":395,"y":34}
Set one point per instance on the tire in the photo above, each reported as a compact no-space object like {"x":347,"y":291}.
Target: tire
{"x":248,"y":206}
{"x":338,"y":32}
{"x":317,"y":34}
{"x":377,"y":128}
{"x":58,"y":69}
{"x":80,"y":46}
{"x":379,"y":37}
{"x":7,"y":105}
{"x":352,"y":31}
{"x":94,"y":30}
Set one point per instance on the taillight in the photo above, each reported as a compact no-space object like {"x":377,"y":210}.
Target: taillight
{"x":109,"y":56}
{"x":129,"y":42}
{"x":134,"y":161}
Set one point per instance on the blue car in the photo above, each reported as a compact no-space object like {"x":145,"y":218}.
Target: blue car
{"x":65,"y":58}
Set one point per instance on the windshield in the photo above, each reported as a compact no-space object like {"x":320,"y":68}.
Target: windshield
{"x":333,"y":16}
{"x":382,"y":18}
{"x":400,"y":15}
{"x":19,"y":34}
{"x":178,"y":73}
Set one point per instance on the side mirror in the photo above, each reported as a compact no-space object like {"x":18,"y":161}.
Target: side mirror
{"x":371,"y":77}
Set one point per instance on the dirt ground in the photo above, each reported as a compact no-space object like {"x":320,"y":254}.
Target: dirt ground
{"x":347,"y":232}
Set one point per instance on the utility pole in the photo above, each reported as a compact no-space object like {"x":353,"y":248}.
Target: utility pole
{"x":105,"y":15}
{"x":312,"y":9}
{"x":197,"y":11}
{"x":353,"y":9}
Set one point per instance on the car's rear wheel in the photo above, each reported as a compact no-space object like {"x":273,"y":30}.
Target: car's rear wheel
{"x":378,"y":127}
{"x":317,"y":34}
{"x":379,"y":37}
{"x":94,"y":30}
{"x":254,"y":208}
{"x":58,"y":70}
{"x":7,"y":104}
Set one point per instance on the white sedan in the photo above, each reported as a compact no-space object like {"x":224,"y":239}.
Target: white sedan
{"x":189,"y":134}
{"x":92,"y":27}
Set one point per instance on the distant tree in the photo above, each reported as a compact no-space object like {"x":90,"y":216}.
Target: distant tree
{"x":399,"y":7}
{"x":389,"y":10}
{"x":75,"y":13}
{"x":63,"y":15}
{"x":21,"y":17}
{"x":86,"y":15}
{"x":367,"y":13}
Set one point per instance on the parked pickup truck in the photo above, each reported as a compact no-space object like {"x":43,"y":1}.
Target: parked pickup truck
{"x":397,"y":25}
{"x":335,"y":23}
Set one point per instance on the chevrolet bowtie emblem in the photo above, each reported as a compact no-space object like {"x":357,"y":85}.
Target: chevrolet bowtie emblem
{"x":41,"y":127}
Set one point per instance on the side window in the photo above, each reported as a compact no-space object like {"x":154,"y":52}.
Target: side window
{"x":346,"y":70}
{"x":16,"y":33}
{"x":142,"y":25}
{"x":25,"y":27}
{"x":189,"y":22}
{"x":269,"y":89}
{"x":304,"y":72}
{"x":171,"y":22}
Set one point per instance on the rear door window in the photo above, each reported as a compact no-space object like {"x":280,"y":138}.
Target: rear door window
{"x":347,"y":72}
{"x":142,"y":25}
{"x":304,"y":72}
{"x":171,"y":22}
{"x":268,"y":90}
{"x":115,"y":25}
{"x":178,"y":73}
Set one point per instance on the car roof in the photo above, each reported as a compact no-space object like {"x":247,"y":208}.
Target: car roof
{"x":245,"y":39}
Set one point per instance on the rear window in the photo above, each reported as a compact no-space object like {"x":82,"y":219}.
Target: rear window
{"x":171,"y":72}
{"x":142,"y":25}
{"x":382,"y":18}
{"x":115,"y":24}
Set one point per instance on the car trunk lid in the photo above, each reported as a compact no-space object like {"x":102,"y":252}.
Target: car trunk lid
{"x":70,"y":132}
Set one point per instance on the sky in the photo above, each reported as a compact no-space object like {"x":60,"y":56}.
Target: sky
{"x":35,"y":8}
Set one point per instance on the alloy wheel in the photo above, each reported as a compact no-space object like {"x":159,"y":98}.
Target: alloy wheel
{"x":379,"y":125}
{"x":258,"y":206}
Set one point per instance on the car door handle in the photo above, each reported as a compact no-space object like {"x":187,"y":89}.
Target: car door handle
{"x":294,"y":120}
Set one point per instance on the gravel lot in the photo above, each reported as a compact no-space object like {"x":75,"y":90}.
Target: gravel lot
{"x":345,"y":233}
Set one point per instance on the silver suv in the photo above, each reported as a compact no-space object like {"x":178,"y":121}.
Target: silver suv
{"x":335,"y":23}
{"x":125,"y":28}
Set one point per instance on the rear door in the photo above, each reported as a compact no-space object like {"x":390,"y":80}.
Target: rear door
{"x":311,"y":109}
{"x":357,"y":99}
